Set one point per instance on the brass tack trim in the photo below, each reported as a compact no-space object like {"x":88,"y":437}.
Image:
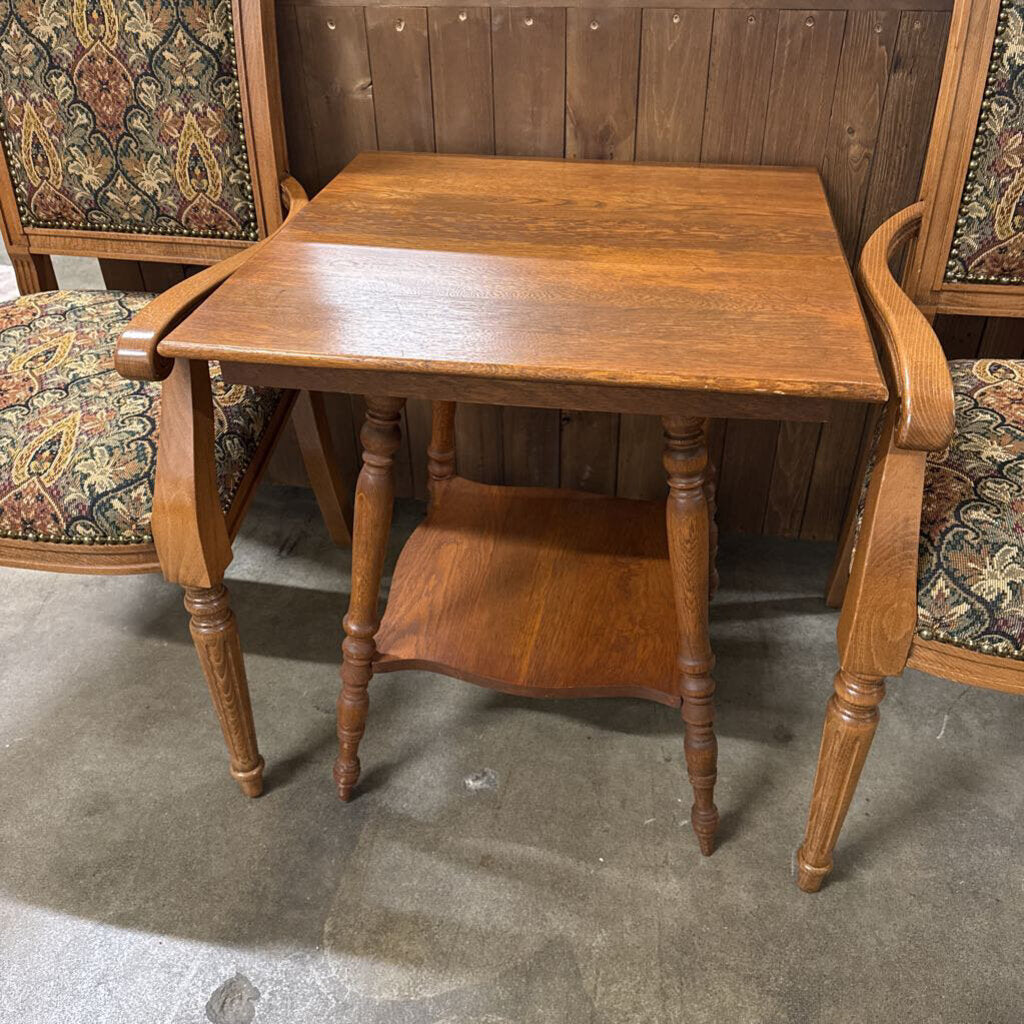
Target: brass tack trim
{"x":1001,"y":648}
{"x":248,"y":231}
{"x":956,"y":269}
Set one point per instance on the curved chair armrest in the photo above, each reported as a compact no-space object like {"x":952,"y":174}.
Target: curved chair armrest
{"x":136,"y":354}
{"x":920,"y":371}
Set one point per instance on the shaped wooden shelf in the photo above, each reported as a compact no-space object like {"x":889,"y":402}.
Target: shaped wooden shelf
{"x":548,"y":593}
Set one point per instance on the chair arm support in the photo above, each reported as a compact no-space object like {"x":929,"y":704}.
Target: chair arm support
{"x":136,"y":355}
{"x":919,"y":370}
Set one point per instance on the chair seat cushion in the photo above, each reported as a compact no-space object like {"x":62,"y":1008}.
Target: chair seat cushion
{"x":78,"y":441}
{"x":971,"y":570}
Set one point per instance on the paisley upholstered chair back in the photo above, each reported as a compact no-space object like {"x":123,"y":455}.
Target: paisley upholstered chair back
{"x":970,"y":258}
{"x":131,"y":117}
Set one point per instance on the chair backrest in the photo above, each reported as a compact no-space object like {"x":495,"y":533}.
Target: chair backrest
{"x":970,"y":254}
{"x":149,"y":130}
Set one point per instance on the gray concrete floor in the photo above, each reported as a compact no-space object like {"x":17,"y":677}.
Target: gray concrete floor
{"x":138,"y":885}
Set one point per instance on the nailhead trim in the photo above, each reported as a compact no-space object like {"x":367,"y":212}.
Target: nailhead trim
{"x":249,"y":231}
{"x":956,"y":271}
{"x":128,"y":539}
{"x":999,"y":649}
{"x":53,"y":538}
{"x":131,"y":538}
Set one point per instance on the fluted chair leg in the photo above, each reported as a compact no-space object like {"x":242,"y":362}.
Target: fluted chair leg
{"x":215,"y":634}
{"x":850,"y":723}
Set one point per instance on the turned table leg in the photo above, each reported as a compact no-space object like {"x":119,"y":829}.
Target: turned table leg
{"x":850,"y":722}
{"x":215,"y":634}
{"x":375,"y":493}
{"x":710,"y":489}
{"x":441,"y":452}
{"x":685,"y":460}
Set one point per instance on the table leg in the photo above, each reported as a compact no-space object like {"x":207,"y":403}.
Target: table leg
{"x":710,"y":489}
{"x":381,"y":435}
{"x":685,"y":459}
{"x":441,"y":452}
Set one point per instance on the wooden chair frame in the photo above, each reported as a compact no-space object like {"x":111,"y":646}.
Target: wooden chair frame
{"x":879,"y":612}
{"x":191,"y":535}
{"x":874,"y":577}
{"x":961,"y":101}
{"x":256,"y":50}
{"x":958,"y":106}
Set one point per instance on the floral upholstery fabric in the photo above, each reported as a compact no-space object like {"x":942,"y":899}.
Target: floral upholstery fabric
{"x":78,"y":442}
{"x":971,"y":570}
{"x":125,"y":115}
{"x":988,"y":242}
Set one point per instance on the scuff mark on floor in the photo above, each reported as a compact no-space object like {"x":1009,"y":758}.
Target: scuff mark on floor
{"x":233,"y":1002}
{"x":945,"y":718}
{"x":289,"y":544}
{"x":485,"y":779}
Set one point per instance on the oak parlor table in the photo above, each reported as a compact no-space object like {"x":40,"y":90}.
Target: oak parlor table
{"x":680,"y":291}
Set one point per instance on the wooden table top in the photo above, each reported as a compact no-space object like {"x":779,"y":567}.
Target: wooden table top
{"x":685,"y":278}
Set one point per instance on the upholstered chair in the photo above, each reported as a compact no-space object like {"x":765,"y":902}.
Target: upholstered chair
{"x":140,"y":131}
{"x":931,"y":566}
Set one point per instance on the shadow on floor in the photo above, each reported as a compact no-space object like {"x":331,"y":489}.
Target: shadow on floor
{"x":425,"y":901}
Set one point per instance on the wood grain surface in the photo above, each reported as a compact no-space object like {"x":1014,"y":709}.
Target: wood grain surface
{"x":589,"y":569}
{"x":722,"y":280}
{"x":804,"y":486}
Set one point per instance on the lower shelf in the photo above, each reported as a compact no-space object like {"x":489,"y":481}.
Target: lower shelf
{"x":542,"y":592}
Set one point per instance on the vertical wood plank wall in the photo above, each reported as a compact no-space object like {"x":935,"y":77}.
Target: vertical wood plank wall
{"x":850,"y":91}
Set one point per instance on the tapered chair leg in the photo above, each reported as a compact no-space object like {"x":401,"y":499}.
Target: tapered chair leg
{"x":850,"y":723}
{"x":375,"y":495}
{"x":687,"y":521}
{"x":215,"y":634}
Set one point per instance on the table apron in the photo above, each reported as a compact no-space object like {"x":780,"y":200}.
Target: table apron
{"x":537,"y":394}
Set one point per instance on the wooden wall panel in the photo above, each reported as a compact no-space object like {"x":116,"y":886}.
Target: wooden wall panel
{"x":862,"y":78}
{"x":739,"y":84}
{"x":602,"y":65}
{"x":847,"y":86}
{"x":461,"y":79}
{"x":673,"y":88}
{"x":295,"y":91}
{"x":808,"y":49}
{"x":895,"y":173}
{"x":528,"y":58}
{"x":907,"y":116}
{"x":602,"y":61}
{"x":400,"y":66}
{"x":461,"y":84}
{"x":399,"y":55}
{"x":675,"y":52}
{"x":1003,"y":339}
{"x":856,"y":115}
{"x":335,"y":69}
{"x":739,"y":77}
